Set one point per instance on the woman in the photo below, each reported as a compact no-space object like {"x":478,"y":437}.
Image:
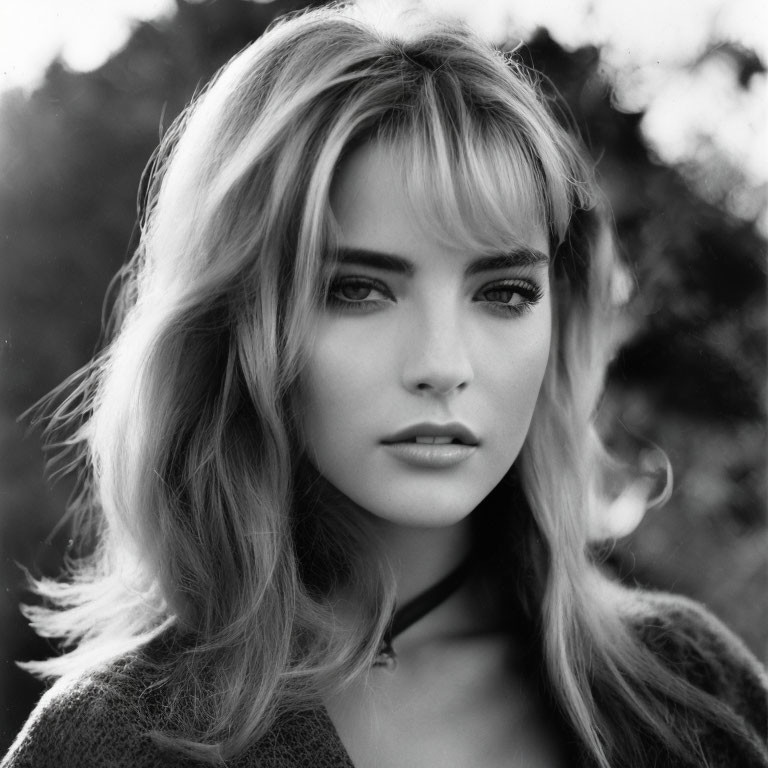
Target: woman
{"x":339,"y":468}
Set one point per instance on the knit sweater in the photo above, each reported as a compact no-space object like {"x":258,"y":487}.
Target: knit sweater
{"x":92,"y":722}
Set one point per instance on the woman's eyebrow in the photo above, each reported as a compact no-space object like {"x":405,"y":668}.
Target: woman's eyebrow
{"x":518,"y":257}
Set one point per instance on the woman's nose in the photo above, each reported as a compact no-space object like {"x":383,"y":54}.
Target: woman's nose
{"x":436,"y":355}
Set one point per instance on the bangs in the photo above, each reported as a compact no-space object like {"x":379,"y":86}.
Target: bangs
{"x":480,"y":187}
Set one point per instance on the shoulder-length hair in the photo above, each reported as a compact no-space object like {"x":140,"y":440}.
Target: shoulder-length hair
{"x":192,"y":510}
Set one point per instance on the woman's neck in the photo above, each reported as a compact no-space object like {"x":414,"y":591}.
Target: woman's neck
{"x":420,"y":557}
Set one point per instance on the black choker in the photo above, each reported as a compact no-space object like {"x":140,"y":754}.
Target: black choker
{"x":415,"y":609}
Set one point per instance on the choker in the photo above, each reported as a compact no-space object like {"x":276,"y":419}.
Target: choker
{"x":417,"y":608}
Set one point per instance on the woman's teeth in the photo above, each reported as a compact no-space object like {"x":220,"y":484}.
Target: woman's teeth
{"x":443,"y":440}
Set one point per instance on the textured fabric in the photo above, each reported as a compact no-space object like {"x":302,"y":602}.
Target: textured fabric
{"x":93,"y":721}
{"x":697,"y":646}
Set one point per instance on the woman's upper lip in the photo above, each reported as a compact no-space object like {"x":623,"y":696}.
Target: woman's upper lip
{"x":427,"y":429}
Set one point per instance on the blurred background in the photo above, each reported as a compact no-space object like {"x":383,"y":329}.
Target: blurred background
{"x":672,"y":104}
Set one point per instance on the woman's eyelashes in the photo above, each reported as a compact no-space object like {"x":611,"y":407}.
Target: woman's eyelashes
{"x":504,"y":297}
{"x":351,"y":293}
{"x":513,"y":297}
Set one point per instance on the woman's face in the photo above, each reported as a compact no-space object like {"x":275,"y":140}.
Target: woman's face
{"x":430,"y":336}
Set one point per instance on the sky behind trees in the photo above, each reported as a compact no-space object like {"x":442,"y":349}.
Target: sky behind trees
{"x":661,"y":55}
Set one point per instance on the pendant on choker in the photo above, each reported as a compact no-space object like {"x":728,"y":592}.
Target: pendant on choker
{"x":386,"y":658}
{"x":416,"y":609}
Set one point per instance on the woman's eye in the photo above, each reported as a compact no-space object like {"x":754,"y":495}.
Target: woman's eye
{"x":354,"y":293}
{"x":513,"y":297}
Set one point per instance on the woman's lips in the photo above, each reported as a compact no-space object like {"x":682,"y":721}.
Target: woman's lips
{"x":430,"y":455}
{"x":454,"y":430}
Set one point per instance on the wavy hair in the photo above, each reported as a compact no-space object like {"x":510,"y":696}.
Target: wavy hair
{"x":196,"y":509}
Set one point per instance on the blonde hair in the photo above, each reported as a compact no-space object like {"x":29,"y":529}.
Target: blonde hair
{"x":195,"y":506}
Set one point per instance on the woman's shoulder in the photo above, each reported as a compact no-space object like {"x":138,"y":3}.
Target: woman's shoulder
{"x":103,"y":719}
{"x":684,"y":632}
{"x":90,"y":719}
{"x":686,"y":637}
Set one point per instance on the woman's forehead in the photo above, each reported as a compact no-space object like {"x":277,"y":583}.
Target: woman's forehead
{"x":487,"y":202}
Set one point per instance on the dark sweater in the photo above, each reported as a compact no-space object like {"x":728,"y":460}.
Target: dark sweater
{"x":92,"y":722}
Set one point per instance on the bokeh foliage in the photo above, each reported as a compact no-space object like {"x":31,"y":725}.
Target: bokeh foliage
{"x":691,"y":379}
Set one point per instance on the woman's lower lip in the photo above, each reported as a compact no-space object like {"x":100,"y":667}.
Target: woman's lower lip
{"x":431,"y":455}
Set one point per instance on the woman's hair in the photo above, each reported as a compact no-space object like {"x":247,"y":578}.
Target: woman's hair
{"x":196,"y":506}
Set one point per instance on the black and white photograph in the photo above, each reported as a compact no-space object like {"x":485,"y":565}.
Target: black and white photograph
{"x":383,"y":384}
